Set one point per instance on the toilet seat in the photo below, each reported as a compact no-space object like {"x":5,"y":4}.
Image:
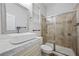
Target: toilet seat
{"x":46,"y":49}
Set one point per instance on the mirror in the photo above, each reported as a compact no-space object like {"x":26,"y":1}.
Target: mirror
{"x":17,"y":18}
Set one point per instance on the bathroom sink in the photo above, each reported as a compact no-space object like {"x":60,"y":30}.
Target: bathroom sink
{"x":22,"y":37}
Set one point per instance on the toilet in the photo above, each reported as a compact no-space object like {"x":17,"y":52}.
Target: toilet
{"x":47,"y":48}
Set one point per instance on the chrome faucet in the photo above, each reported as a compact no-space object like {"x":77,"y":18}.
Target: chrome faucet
{"x":18,"y":29}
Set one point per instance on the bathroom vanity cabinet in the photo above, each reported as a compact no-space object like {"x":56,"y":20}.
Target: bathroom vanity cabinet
{"x":33,"y":50}
{"x":29,"y":48}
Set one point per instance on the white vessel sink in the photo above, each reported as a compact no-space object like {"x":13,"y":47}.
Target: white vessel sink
{"x":21,"y":37}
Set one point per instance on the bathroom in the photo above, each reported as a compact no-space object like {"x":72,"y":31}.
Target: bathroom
{"x":39,"y":29}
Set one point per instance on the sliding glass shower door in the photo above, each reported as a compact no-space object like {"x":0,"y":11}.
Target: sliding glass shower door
{"x":66,"y":33}
{"x":61,"y":30}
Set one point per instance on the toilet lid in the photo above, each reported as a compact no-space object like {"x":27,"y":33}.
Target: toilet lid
{"x":46,"y":47}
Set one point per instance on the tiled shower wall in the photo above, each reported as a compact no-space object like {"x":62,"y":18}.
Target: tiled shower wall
{"x":66,"y":31}
{"x":63,"y":32}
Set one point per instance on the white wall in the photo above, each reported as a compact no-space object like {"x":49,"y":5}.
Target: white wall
{"x":43,"y":9}
{"x":34,"y":22}
{"x":59,"y":8}
{"x":28,"y":6}
{"x":37,"y":11}
{"x":0,"y":18}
